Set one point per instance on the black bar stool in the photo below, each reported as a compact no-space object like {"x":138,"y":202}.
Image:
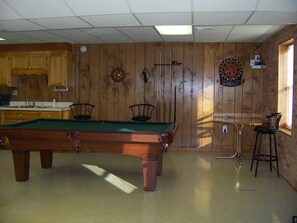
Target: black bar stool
{"x":270,"y":128}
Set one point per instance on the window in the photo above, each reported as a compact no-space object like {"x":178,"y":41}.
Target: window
{"x":285,"y":83}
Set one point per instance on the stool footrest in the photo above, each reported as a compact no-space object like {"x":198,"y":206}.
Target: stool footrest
{"x":265,"y":157}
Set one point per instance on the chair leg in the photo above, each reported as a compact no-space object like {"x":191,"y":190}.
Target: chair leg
{"x":270,"y":153}
{"x":259,"y":154}
{"x":276,"y":156}
{"x":255,"y":148}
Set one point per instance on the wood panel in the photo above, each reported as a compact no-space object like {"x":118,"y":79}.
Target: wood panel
{"x":199,"y":96}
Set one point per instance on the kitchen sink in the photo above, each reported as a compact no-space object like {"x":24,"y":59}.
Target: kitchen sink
{"x":23,"y":106}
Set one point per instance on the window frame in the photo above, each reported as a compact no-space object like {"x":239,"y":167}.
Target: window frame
{"x":285,"y":89}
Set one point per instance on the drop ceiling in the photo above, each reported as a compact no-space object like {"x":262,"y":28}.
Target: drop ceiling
{"x":131,"y":21}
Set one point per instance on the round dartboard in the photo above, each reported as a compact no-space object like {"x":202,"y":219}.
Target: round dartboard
{"x":230,"y":69}
{"x":118,"y":75}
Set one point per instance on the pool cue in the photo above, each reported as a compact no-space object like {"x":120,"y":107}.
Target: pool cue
{"x":174,"y":114}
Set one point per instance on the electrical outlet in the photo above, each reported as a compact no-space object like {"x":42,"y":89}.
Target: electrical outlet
{"x":225,"y":129}
{"x":14,"y":92}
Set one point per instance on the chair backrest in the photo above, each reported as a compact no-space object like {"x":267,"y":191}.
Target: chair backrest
{"x":273,"y":120}
{"x":82,"y":110}
{"x":141,"y":112}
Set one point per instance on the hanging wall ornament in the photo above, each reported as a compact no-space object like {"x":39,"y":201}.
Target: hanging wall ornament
{"x":118,"y":75}
{"x":230,"y":71}
{"x":145,"y":75}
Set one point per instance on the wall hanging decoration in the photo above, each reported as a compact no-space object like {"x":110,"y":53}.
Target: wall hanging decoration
{"x":118,"y":75}
{"x":145,"y":75}
{"x":230,"y":71}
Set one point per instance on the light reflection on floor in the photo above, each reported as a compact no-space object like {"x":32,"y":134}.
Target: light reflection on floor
{"x":112,"y":179}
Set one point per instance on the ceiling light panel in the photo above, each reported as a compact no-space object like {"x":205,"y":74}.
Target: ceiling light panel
{"x":40,"y":9}
{"x":62,"y":23}
{"x":95,"y":7}
{"x":160,"y":6}
{"x":226,"y":5}
{"x":150,"y":19}
{"x":111,"y":20}
{"x":174,"y":30}
{"x":220,"y":18}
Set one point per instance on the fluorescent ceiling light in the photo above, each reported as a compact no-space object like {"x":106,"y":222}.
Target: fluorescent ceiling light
{"x":174,"y":30}
{"x":2,"y":38}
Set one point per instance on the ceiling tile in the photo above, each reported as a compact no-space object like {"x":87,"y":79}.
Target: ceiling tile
{"x":19,"y":25}
{"x":151,"y":6}
{"x":248,"y":33}
{"x":270,"y":32}
{"x":182,"y":18}
{"x":142,"y":34}
{"x":217,"y":34}
{"x":251,"y":29}
{"x":76,"y":36}
{"x":95,"y":7}
{"x":277,"y":5}
{"x":220,"y":18}
{"x":182,"y":38}
{"x":109,"y":35}
{"x":40,"y":9}
{"x":273,"y":18}
{"x":226,"y":5}
{"x":44,"y":36}
{"x":61,"y":23}
{"x":17,"y":37}
{"x":111,"y":20}
{"x":7,"y":13}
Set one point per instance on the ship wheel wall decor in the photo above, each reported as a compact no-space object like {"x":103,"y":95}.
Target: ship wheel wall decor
{"x":118,"y":75}
{"x":230,"y":71}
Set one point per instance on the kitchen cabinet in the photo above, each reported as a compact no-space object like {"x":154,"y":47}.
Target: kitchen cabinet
{"x":14,"y":116}
{"x":55,"y":114}
{"x":5,"y":72}
{"x":59,"y":68}
{"x":18,"y":116}
{"x":35,"y":62}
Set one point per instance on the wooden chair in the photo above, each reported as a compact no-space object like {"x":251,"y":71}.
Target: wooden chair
{"x":270,"y":128}
{"x":141,"y":112}
{"x":82,"y":111}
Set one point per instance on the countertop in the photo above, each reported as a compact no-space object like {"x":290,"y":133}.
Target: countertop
{"x":39,"y":106}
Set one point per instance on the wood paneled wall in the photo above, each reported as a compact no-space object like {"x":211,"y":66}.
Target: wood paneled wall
{"x":198,"y":94}
{"x":286,"y":143}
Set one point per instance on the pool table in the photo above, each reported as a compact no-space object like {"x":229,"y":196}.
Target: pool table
{"x":147,"y":140}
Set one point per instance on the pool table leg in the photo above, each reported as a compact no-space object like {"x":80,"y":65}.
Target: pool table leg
{"x":160,"y":163}
{"x":21,"y":161}
{"x":46,"y":158}
{"x":149,"y":170}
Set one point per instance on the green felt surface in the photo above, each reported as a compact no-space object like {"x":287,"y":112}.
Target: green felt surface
{"x":94,"y":125}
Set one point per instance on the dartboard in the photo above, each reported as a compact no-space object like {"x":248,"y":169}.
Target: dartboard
{"x":230,"y":69}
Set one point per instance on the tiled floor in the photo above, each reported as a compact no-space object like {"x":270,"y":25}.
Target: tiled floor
{"x":95,"y":188}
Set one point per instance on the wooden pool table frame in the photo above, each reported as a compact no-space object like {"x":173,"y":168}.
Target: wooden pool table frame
{"x":148,"y":146}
